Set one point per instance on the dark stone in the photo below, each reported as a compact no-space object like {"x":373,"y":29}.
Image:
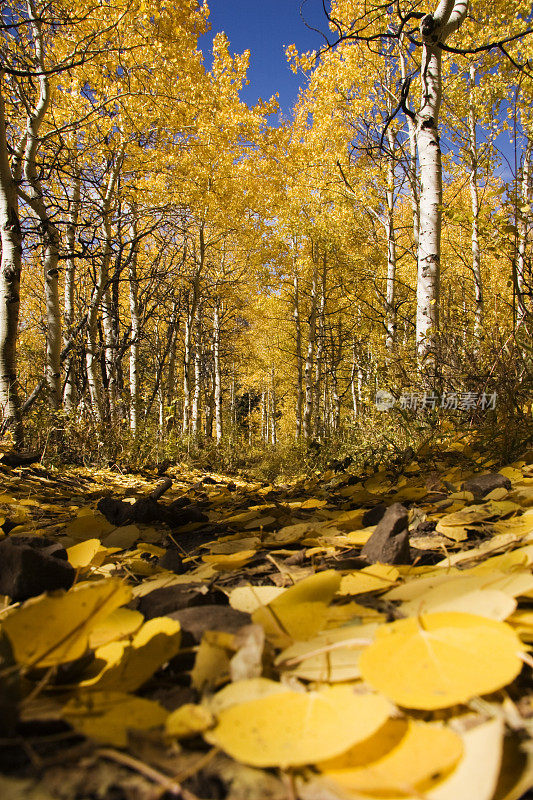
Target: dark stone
{"x":480,"y":485}
{"x":424,"y":527}
{"x":148,"y":510}
{"x":198,"y":619}
{"x":115,"y":511}
{"x":27,"y":569}
{"x":9,"y":688}
{"x":15,"y":459}
{"x":179,"y":503}
{"x":389,"y":544}
{"x":168,"y":599}
{"x":172,"y":561}
{"x":177,"y":517}
{"x":374,"y":515}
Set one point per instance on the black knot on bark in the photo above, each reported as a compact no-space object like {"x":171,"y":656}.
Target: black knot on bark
{"x":427,"y":25}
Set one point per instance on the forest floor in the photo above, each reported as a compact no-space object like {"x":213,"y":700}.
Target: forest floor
{"x":194,"y":635}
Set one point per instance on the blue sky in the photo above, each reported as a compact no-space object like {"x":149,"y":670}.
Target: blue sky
{"x":266,"y":28}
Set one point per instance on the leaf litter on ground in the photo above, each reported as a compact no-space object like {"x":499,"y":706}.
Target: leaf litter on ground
{"x":338,"y":636}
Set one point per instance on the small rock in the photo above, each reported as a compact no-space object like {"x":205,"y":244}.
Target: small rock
{"x":198,"y":619}
{"x":374,"y":515}
{"x":480,"y":485}
{"x":173,"y":561}
{"x":29,"y":568}
{"x":168,"y":599}
{"x":389,"y":544}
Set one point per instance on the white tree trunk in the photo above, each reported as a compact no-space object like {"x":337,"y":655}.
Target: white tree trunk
{"x":92,"y":355}
{"x":189,"y":332}
{"x":70,"y":283}
{"x":217,"y":370}
{"x":319,"y":358}
{"x":9,"y":287}
{"x":135,"y":325}
{"x":411,"y":164}
{"x":299,"y":362}
{"x":308,"y":369}
{"x":195,"y":407}
{"x":434,"y":29}
{"x":51,"y":238}
{"x":273,"y":409}
{"x":390,"y":318}
{"x":474,"y":201}
{"x":523,"y":215}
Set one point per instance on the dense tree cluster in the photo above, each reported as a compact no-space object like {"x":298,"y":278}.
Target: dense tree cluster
{"x":174,"y":263}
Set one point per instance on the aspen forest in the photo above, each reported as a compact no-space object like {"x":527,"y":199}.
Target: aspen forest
{"x":266,"y":392}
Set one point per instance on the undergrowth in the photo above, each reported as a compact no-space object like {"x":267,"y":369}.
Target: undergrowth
{"x":377,"y":439}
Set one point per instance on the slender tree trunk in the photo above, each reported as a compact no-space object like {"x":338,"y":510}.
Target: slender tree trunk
{"x":474,"y":199}
{"x":434,"y":30}
{"x":135,"y":325}
{"x":299,"y":361}
{"x":187,"y":374}
{"x":523,"y":215}
{"x":308,"y":370}
{"x":390,"y":319}
{"x":9,"y":288}
{"x":69,"y":391}
{"x":189,"y":332}
{"x":217,"y":372}
{"x":411,"y":164}
{"x":273,"y":421}
{"x":92,"y":355}
{"x":51,"y":238}
{"x":209,"y":404}
{"x":109,"y":330}
{"x":170,"y":388}
{"x":353,"y":384}
{"x":319,"y":357}
{"x":264,"y":418}
{"x":195,"y":407}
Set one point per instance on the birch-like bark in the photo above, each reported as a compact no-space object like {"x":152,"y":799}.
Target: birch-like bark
{"x":474,"y":201}
{"x":308,"y":369}
{"x":353,"y":383}
{"x":525,"y":202}
{"x":411,"y":163}
{"x":319,"y":357}
{"x":273,"y":409}
{"x":390,"y":316}
{"x":10,"y":268}
{"x":299,"y":360}
{"x":197,"y":386}
{"x":434,"y":30}
{"x":69,"y":390}
{"x":264,"y":418}
{"x":187,"y":348}
{"x":135,"y":325}
{"x":217,"y":373}
{"x":189,"y":332}
{"x":109,"y":327}
{"x":92,"y":354}
{"x":170,"y":390}
{"x":51,"y":238}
